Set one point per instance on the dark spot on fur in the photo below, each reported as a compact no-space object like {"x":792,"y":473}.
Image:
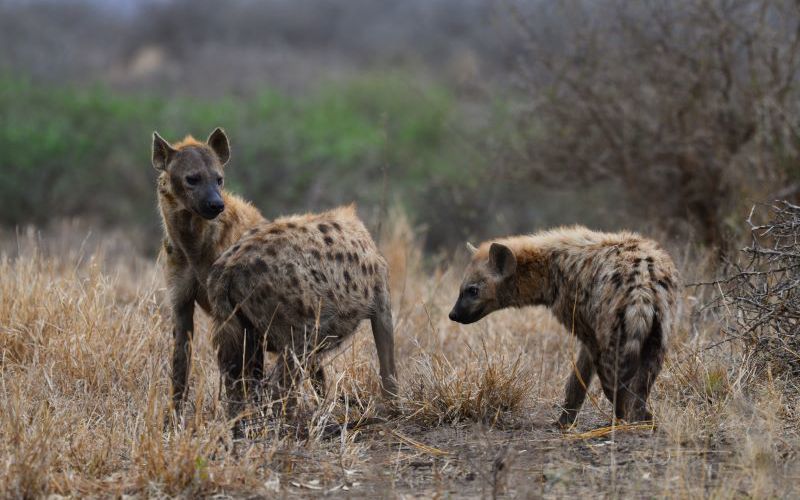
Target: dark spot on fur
{"x":347,"y":277}
{"x":303,"y":229}
{"x":663,"y":283}
{"x":649,"y":260}
{"x":637,"y":261}
{"x":363,"y":268}
{"x":651,"y":270}
{"x":366,"y":292}
{"x":329,"y":255}
{"x":291,"y":225}
{"x":315,"y":254}
{"x":271,"y":251}
{"x":260,"y":266}
{"x":294,"y":281}
{"x":336,"y":226}
{"x":350,"y":257}
{"x":323,"y":228}
{"x":328,"y":240}
{"x":331,"y":296}
{"x":339,"y":257}
{"x":275,"y":230}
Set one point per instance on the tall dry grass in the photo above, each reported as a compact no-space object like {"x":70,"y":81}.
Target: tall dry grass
{"x":84,"y":395}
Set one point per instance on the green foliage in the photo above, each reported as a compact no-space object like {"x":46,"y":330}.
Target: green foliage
{"x":69,"y":151}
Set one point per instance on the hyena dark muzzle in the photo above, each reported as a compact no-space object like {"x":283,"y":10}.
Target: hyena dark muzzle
{"x":211,"y":205}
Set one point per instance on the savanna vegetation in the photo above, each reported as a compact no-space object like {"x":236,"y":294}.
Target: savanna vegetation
{"x":444,"y":121}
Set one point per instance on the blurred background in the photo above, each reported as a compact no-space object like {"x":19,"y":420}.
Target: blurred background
{"x":474,"y":118}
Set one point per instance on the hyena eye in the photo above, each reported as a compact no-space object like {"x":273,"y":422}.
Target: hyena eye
{"x":219,"y":181}
{"x":192,"y":180}
{"x":472,"y":291}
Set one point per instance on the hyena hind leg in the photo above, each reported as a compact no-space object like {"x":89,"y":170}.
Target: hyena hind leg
{"x":318,"y":378}
{"x":383,"y":333}
{"x":240,"y":357}
{"x":652,"y":359}
{"x":577,"y":385}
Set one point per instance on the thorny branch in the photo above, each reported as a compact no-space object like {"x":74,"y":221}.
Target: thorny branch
{"x":764,"y":292}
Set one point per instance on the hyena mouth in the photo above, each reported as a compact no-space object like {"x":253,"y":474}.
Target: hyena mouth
{"x":465,"y":319}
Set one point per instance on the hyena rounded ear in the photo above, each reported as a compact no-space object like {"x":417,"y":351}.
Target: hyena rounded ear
{"x":471,"y":248}
{"x":162,"y":152}
{"x":502,"y":260}
{"x":218,"y":142}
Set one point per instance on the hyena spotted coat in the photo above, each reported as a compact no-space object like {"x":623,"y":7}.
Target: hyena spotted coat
{"x":200,"y":221}
{"x":618,"y":292}
{"x":299,"y":286}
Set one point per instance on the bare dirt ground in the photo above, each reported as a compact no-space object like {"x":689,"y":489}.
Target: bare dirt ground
{"x":84,"y":396}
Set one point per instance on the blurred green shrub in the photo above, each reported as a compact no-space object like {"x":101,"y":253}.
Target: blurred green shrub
{"x":84,"y":151}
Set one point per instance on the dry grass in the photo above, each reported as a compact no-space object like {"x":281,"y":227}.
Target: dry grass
{"x":84,"y":393}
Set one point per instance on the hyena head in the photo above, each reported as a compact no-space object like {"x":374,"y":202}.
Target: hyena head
{"x":192,"y":173}
{"x":488,"y":280}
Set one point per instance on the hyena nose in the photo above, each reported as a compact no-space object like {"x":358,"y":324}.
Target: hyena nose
{"x":453,"y":315}
{"x":216,"y":206}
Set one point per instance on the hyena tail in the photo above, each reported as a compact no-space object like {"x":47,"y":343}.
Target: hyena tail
{"x":637,"y":324}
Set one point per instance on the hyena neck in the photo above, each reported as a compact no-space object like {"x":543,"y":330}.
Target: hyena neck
{"x":532,"y":283}
{"x":195,"y":237}
{"x":563,"y":292}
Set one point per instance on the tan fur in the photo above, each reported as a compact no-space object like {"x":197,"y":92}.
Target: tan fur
{"x":618,"y":293}
{"x":192,"y":243}
{"x":299,"y":285}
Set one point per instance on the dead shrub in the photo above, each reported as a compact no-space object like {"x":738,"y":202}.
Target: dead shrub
{"x":760,"y":301}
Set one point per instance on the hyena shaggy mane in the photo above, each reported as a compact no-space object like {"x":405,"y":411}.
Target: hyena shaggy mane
{"x":298,"y":286}
{"x":618,"y":292}
{"x":200,"y":221}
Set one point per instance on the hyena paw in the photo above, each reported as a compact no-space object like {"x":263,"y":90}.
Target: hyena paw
{"x":567,"y":419}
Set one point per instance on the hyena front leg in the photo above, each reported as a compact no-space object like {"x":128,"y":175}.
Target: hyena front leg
{"x":383,"y":333}
{"x":578,"y":383}
{"x":183,"y":317}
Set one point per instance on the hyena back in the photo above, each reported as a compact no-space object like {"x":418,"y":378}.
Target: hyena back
{"x":618,"y":293}
{"x":298,"y":286}
{"x":200,"y":221}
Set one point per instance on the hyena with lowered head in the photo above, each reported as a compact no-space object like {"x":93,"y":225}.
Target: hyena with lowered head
{"x":618,"y":292}
{"x":298,"y":286}
{"x":200,"y":221}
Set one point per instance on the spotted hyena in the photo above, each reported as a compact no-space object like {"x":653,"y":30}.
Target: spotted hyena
{"x":200,"y":221}
{"x":618,"y":292}
{"x":298,"y":286}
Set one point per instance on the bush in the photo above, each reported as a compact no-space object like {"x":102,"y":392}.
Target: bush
{"x":760,"y":301}
{"x":73,"y":151}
